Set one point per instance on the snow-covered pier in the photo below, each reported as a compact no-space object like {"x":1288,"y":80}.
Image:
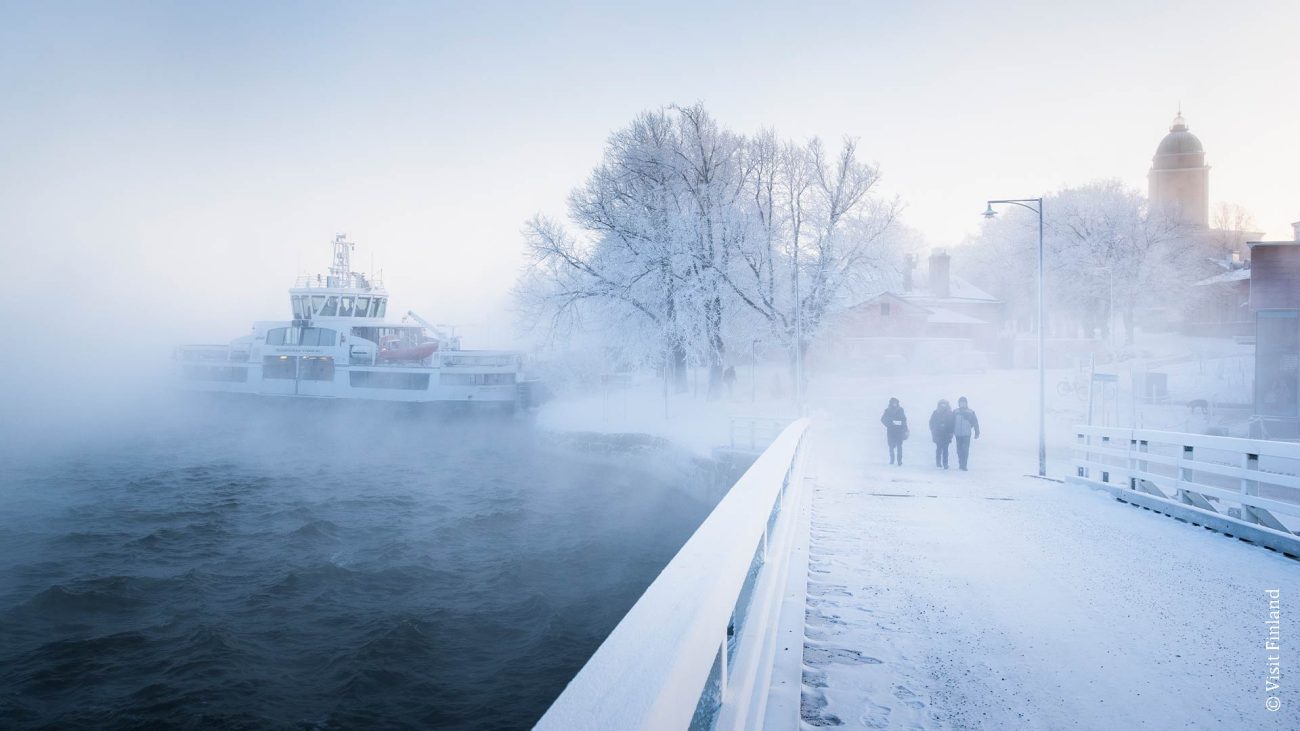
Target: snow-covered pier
{"x":832,"y":589}
{"x":991,"y":600}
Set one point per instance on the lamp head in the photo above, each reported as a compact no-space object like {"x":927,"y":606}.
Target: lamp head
{"x":989,"y":212}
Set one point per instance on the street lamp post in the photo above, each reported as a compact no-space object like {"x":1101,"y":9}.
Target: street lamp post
{"x":1042,"y":363}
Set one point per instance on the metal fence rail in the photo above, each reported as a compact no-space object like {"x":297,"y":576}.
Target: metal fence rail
{"x":1244,"y":487}
{"x":697,"y":649}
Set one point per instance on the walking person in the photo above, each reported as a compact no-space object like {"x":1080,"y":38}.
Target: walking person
{"x":895,"y":421}
{"x":941,"y":429}
{"x":965,"y":423}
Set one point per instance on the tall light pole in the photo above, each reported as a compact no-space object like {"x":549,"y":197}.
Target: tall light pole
{"x":1042,"y":363}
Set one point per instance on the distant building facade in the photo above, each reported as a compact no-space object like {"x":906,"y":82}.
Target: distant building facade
{"x":1275,"y":302}
{"x":943,"y":322}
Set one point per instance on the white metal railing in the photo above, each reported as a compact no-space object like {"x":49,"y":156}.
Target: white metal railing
{"x":697,"y":649}
{"x":1256,"y":479}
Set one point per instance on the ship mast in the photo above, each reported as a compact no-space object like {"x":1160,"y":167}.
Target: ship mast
{"x":341,"y":269}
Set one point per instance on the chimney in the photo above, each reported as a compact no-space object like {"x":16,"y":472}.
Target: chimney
{"x":939,"y":274}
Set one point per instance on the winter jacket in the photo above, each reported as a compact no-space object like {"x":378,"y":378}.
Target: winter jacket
{"x":965,"y":422}
{"x":895,"y":422}
{"x":941,"y":426}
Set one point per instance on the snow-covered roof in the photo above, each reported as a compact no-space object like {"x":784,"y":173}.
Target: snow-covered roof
{"x":958,"y":289}
{"x":940,"y":316}
{"x":1236,"y":275}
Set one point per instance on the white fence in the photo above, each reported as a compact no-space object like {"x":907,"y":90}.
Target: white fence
{"x":1243,"y":487}
{"x":698,"y":649}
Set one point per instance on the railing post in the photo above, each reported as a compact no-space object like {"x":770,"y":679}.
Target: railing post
{"x":1105,"y":474}
{"x":1132,"y":463}
{"x":1143,"y":446}
{"x":1184,"y":470}
{"x":1082,"y":470}
{"x":722,"y":665}
{"x":1249,"y":487}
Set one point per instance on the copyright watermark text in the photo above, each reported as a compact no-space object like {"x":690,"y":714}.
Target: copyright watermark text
{"x":1273,"y":650}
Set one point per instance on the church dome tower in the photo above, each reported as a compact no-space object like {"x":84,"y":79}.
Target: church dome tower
{"x":1179,"y":181}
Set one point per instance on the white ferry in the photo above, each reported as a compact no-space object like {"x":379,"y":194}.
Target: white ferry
{"x":339,"y":346}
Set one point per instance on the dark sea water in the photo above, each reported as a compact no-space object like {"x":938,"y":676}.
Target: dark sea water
{"x":242,"y":566}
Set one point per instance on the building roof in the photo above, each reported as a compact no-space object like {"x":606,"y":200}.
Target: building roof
{"x":940,"y":316}
{"x":1236,"y":275}
{"x":959,"y":290}
{"x":1179,"y":141}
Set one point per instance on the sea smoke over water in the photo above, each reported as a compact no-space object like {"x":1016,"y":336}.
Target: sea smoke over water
{"x":292,"y":566}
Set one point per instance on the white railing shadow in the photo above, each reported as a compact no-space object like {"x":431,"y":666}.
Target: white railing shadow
{"x":698,"y":649}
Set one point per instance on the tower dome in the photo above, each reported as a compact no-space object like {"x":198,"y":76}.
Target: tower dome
{"x":1178,"y":142}
{"x":1179,"y":180}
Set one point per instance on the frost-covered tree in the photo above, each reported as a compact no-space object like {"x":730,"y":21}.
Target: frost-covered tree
{"x":1105,"y":248}
{"x":816,"y":233}
{"x":692,"y":235}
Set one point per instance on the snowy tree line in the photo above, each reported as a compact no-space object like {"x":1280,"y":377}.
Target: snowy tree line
{"x":689,"y":240}
{"x":1108,"y":257}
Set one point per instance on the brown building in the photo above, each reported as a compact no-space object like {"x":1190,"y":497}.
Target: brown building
{"x":941,"y":324}
{"x":1275,"y":301}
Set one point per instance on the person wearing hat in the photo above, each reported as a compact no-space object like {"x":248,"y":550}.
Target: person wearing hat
{"x":964,"y":425}
{"x":895,"y":421}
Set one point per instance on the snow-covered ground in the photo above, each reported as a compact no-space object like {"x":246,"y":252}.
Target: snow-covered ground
{"x":991,"y":600}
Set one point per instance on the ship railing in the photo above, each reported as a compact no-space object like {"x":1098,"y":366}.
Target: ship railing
{"x":1249,"y":488}
{"x":311,"y":281}
{"x":716,"y":641}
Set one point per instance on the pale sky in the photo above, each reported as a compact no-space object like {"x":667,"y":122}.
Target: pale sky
{"x":200,"y":157}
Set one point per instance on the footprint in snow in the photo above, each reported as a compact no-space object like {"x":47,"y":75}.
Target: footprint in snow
{"x":812,"y":709}
{"x":814,"y":678}
{"x":828,"y":590}
{"x":841,"y":655}
{"x":908,"y":697}
{"x":876,"y":716}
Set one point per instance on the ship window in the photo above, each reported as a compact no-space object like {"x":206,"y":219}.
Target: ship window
{"x":377,"y":379}
{"x":374,"y":307}
{"x":280,"y":366}
{"x":309,"y":336}
{"x":383,"y":305}
{"x":363,"y":305}
{"x":297,"y":307}
{"x":317,"y":302}
{"x":325,"y":337}
{"x":331,"y":307}
{"x":317,"y":369}
{"x":292,"y":335}
{"x":345,"y":307}
{"x":275,"y":336}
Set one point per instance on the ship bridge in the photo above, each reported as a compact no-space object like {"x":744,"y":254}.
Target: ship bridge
{"x":340,"y":293}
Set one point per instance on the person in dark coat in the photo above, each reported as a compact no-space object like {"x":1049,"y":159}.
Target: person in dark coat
{"x":895,"y":421}
{"x":941,"y":426}
{"x":965,"y":424}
